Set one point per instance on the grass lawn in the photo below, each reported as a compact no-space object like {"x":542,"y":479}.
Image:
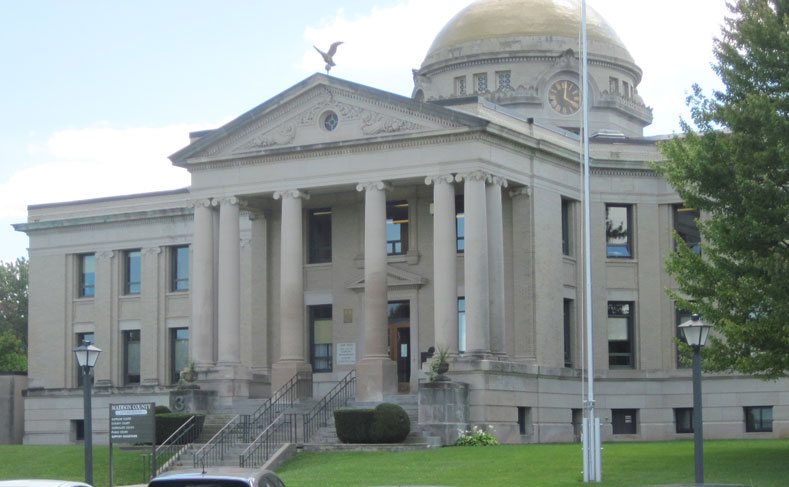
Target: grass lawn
{"x":760,"y":463}
{"x":68,"y":463}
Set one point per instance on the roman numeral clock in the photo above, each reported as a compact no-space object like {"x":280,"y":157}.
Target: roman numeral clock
{"x":564,"y":96}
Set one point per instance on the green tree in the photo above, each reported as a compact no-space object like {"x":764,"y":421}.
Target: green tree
{"x":13,"y":357}
{"x":735,"y":169}
{"x":13,"y":298}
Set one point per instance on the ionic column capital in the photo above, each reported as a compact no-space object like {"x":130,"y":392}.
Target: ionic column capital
{"x":291,"y":193}
{"x":227,"y":200}
{"x":105,"y":255}
{"x":152,"y":251}
{"x":522,"y":191}
{"x":477,"y":175}
{"x":445,"y":178}
{"x":497,"y":180}
{"x":200,"y":203}
{"x":373,"y":185}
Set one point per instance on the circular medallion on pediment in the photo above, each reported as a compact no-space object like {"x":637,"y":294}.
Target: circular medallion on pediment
{"x":329,"y":120}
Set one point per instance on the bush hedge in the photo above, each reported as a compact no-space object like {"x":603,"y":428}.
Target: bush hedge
{"x":387,"y":423}
{"x":167,"y":423}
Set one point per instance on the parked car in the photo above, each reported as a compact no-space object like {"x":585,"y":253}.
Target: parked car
{"x":41,"y":483}
{"x":219,"y":477}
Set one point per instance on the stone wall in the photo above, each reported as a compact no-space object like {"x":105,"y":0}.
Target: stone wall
{"x":12,"y":410}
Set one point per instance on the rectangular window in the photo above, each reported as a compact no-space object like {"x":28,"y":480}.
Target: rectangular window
{"x":685,"y":224}
{"x":681,"y":317}
{"x":620,"y":334}
{"x":567,"y":227}
{"x":131,"y":357}
{"x":460,"y":85}
{"x":524,"y":420}
{"x":613,"y":85}
{"x":179,"y":269}
{"x":618,"y":231}
{"x":78,"y":428}
{"x":396,"y":227}
{"x":87,"y":275}
{"x":758,"y":419}
{"x":462,"y":325}
{"x":568,"y":332}
{"x":132,"y":271}
{"x":683,"y":420}
{"x":321,"y":337}
{"x":319,"y":234}
{"x":460,"y":218}
{"x":481,"y":82}
{"x":504,"y":80}
{"x":179,"y":352}
{"x":624,"y":421}
{"x":625,"y":89}
{"x":82,"y":338}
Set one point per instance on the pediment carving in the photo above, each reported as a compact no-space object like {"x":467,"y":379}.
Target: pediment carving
{"x":394,"y":278}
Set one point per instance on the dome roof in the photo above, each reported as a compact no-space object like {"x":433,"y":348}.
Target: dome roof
{"x":502,"y":19}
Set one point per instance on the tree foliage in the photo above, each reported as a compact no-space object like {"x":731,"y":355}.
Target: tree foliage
{"x":735,"y":169}
{"x":13,"y":315}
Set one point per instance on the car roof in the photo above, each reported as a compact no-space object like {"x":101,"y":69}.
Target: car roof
{"x":250,"y":475}
{"x":41,"y":483}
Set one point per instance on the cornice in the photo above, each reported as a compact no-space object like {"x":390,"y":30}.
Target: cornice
{"x":94,"y":222}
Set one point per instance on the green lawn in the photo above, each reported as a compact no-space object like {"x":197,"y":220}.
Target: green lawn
{"x":761,"y":463}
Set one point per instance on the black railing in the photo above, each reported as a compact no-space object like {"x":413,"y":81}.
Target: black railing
{"x":338,"y":397}
{"x":282,"y":430}
{"x":171,"y":449}
{"x":245,"y":428}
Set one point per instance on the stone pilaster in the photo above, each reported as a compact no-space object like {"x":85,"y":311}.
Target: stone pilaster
{"x":152,"y":339}
{"x":201,"y":333}
{"x":523,"y":275}
{"x":476,"y":263}
{"x":229,"y":283}
{"x":376,"y":372}
{"x":495,"y":225}
{"x":445,"y":295}
{"x":106,"y":335}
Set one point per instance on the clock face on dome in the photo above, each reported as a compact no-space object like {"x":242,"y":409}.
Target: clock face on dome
{"x":564,"y":96}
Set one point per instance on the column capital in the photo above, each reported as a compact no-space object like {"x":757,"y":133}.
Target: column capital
{"x":105,"y":254}
{"x":445,"y":178}
{"x":498,"y":180}
{"x":477,"y":175}
{"x":227,"y":200}
{"x":371,"y":185}
{"x":200,"y":202}
{"x":152,"y":251}
{"x":291,"y":193}
{"x":521,"y":191}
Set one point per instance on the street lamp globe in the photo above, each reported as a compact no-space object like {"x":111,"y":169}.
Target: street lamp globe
{"x":695,"y":331}
{"x":87,"y":354}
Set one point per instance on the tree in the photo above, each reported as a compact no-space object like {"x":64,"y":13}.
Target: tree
{"x":13,"y":357}
{"x":735,"y":169}
{"x":13,"y":298}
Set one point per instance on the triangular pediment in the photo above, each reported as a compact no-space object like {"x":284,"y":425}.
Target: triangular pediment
{"x":394,"y":278}
{"x":322,"y":111}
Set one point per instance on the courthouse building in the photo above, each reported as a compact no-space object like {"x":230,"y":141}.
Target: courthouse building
{"x":339,"y":227}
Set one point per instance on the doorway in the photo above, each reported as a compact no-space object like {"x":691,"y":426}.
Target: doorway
{"x":399,"y":313}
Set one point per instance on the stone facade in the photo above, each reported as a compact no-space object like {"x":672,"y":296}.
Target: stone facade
{"x":320,"y":235}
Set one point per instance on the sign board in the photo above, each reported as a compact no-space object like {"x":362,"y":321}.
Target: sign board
{"x":133,"y":423}
{"x":346,"y":353}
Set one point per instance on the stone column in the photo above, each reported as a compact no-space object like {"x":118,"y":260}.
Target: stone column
{"x":476,"y":264}
{"x":229,"y":283}
{"x":201,"y":334}
{"x":445,"y":295}
{"x":376,"y":372}
{"x":523,"y":275}
{"x":495,"y":226}
{"x":292,"y":359}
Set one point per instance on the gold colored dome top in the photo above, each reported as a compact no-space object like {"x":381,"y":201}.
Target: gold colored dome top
{"x":490,"y":19}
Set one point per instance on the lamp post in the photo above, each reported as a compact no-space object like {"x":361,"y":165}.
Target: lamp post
{"x":87,"y":354}
{"x":695,"y":332}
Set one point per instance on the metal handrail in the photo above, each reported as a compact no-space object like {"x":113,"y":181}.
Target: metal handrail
{"x":282,"y":430}
{"x":287,"y":395}
{"x":171,"y":449}
{"x":216,"y":447}
{"x":337,"y":397}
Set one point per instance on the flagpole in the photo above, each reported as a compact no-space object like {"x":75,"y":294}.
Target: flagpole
{"x":591,"y":427}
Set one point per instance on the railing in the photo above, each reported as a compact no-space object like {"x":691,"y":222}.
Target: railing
{"x":171,"y":449}
{"x":338,"y":397}
{"x":244,"y":428}
{"x":282,"y":430}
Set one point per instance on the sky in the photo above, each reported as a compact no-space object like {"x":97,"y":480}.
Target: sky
{"x":95,"y":95}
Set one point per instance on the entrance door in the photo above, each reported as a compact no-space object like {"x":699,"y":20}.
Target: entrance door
{"x":400,"y":342}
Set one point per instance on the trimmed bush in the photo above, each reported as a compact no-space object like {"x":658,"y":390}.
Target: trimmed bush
{"x":353,"y":425}
{"x":387,"y":423}
{"x":391,"y":424}
{"x":162,"y":409}
{"x":167,"y":423}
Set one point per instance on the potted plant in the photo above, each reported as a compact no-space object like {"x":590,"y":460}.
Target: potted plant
{"x":439,"y":365}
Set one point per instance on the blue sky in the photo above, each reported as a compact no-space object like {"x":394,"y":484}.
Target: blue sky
{"x":96,"y":94}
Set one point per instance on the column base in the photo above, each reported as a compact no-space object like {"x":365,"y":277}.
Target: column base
{"x":375,"y":378}
{"x":228,"y":380}
{"x":283,"y":371}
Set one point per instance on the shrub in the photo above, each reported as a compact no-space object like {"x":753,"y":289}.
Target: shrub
{"x":162,"y":409}
{"x":477,"y":437}
{"x":353,"y":425}
{"x":167,"y":423}
{"x":391,"y":424}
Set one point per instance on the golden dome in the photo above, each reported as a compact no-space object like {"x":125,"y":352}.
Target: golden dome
{"x":498,"y":19}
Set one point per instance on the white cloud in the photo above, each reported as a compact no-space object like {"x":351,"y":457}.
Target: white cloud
{"x":95,"y":162}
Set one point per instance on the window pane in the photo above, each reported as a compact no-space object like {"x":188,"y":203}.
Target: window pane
{"x":132,"y":356}
{"x":462,"y":325}
{"x":320,"y":236}
{"x":460,"y":217}
{"x":87,"y":285}
{"x":321,"y":337}
{"x":133,"y":271}
{"x":180,"y":351}
{"x":180,"y":269}
{"x":683,"y":418}
{"x":686,"y":227}
{"x":397,"y":227}
{"x":620,"y":334}
{"x":617,"y":231}
{"x":566,"y":227}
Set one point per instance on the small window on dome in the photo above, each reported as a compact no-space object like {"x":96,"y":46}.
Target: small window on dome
{"x":460,"y":85}
{"x":330,"y":120}
{"x":481,"y":82}
{"x":419,"y":95}
{"x":613,"y":85}
{"x":503,"y":80}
